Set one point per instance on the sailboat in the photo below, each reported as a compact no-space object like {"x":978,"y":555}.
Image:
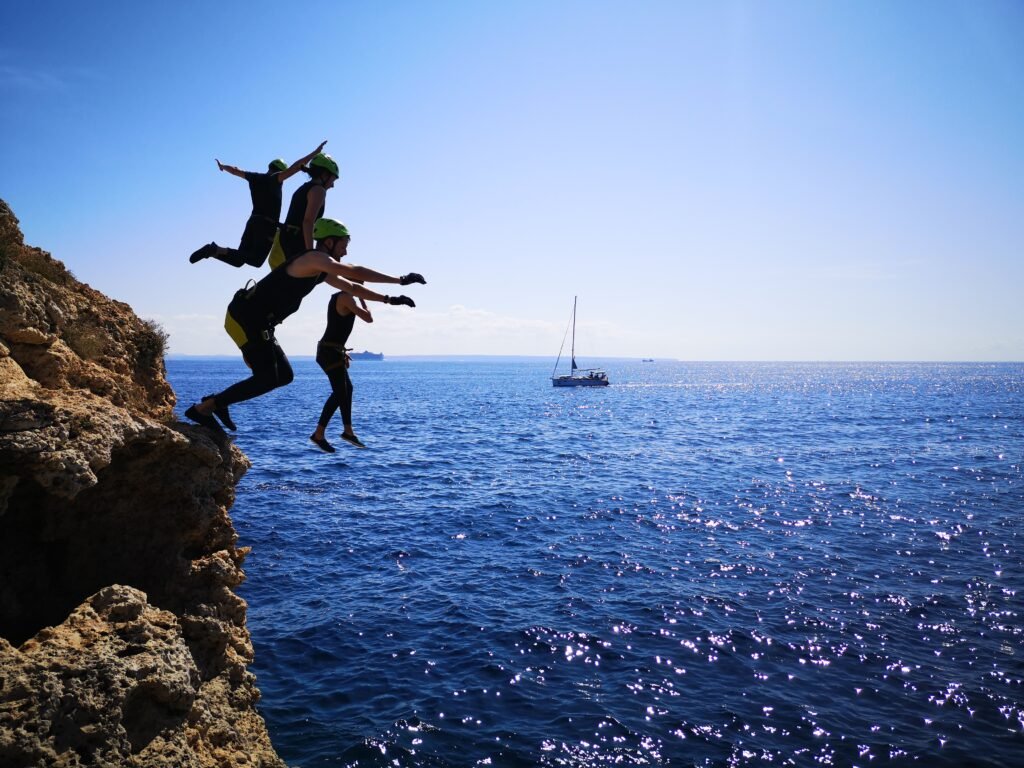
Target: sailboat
{"x":577,"y":377}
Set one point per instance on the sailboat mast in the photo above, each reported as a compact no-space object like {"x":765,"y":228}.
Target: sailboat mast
{"x":573,"y":369}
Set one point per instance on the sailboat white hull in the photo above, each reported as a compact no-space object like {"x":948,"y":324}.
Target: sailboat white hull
{"x":579,"y":381}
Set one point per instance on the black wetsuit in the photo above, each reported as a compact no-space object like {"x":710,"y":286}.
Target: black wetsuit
{"x":330,"y":355}
{"x":292,"y":242}
{"x":251,"y":317}
{"x":258,"y":237}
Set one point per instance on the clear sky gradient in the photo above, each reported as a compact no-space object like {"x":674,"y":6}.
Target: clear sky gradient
{"x":715,"y":180}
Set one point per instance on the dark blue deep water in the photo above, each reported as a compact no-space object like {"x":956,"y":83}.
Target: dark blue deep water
{"x":701,"y":565}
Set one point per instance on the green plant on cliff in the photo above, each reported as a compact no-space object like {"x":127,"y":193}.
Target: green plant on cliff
{"x":150,"y":344}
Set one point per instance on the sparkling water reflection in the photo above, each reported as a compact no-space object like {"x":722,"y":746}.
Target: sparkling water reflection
{"x":702,"y":565}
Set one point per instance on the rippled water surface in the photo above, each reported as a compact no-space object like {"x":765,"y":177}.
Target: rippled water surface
{"x":701,"y":565}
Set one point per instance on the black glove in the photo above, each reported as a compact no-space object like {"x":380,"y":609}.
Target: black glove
{"x":412,"y":277}
{"x":397,"y":300}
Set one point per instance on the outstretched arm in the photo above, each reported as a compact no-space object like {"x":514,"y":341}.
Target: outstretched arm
{"x":365,"y":274}
{"x":231,"y":169}
{"x":313,"y":263}
{"x":298,"y":165}
{"x":363,"y":292}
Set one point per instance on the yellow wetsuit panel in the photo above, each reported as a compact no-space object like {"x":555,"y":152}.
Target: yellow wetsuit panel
{"x":235,"y":331}
{"x":276,"y":252}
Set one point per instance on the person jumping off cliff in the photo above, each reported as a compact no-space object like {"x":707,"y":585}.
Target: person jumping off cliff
{"x":254,"y":312}
{"x":261,"y":230}
{"x":342,"y":311}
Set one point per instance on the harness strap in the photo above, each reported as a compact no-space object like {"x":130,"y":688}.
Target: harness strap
{"x":340,"y":349}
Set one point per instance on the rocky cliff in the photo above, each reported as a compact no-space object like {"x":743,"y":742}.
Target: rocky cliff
{"x":122,"y":641}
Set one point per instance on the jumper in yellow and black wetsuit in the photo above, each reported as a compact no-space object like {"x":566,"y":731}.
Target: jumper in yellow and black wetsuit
{"x":331,"y":357}
{"x":250,"y":320}
{"x":261,"y":229}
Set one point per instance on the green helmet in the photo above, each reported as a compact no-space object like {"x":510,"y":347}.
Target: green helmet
{"x":324,"y":228}
{"x":326,"y":162}
{"x":278,"y":165}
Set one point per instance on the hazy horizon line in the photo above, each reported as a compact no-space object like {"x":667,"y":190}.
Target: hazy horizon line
{"x":185,"y":356}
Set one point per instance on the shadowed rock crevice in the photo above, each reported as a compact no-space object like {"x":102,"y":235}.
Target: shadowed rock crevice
{"x":149,"y":710}
{"x":122,"y":641}
{"x":55,"y":552}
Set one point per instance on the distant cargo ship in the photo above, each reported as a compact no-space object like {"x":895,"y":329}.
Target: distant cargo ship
{"x":364,"y":355}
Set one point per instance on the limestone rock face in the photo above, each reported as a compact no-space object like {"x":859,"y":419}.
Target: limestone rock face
{"x":122,"y":641}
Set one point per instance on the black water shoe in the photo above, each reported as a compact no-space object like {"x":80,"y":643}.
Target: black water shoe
{"x":203,"y":253}
{"x":353,"y":439}
{"x":322,"y":444}
{"x":203,"y":419}
{"x":222,"y":413}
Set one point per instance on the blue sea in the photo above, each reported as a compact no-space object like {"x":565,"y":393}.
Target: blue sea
{"x":704,"y":564}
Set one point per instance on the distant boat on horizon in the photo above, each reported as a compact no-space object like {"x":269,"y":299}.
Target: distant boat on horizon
{"x":577,"y":377}
{"x":364,"y":355}
{"x":647,"y":360}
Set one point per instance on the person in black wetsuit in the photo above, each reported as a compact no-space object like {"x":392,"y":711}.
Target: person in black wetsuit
{"x":262,"y":226}
{"x":342,"y":311}
{"x":253,"y":313}
{"x":306,"y":206}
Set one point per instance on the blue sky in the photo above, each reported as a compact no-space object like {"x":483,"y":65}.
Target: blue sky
{"x":715,"y":180}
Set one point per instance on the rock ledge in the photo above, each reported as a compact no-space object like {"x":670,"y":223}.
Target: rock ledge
{"x":122,"y":641}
